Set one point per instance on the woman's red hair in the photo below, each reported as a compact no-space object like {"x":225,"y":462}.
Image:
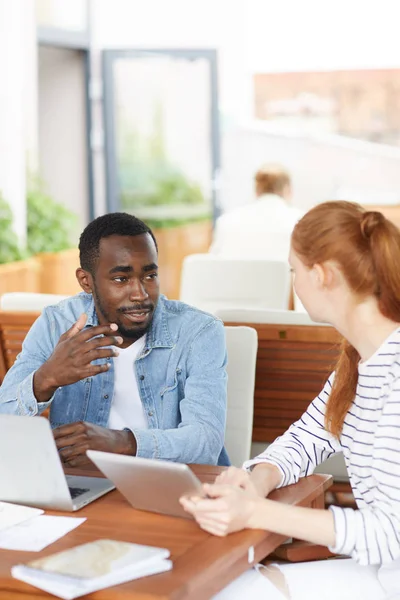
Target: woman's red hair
{"x":366,"y":248}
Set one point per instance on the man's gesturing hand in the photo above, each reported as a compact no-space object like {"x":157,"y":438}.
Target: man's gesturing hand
{"x":72,"y":357}
{"x":74,"y":439}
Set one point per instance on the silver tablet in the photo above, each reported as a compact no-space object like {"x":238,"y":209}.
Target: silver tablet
{"x":148,"y":484}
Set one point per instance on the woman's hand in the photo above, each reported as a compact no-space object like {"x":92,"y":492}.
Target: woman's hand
{"x":227,"y":509}
{"x":237,"y":478}
{"x":262,"y":480}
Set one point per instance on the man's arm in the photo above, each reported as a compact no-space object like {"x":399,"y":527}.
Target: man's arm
{"x":45,"y":365}
{"x":16,"y":391}
{"x":199,"y":438}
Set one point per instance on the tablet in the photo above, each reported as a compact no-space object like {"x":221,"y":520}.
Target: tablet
{"x":149,"y":484}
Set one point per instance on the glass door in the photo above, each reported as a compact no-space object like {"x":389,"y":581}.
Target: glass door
{"x":162,"y":148}
{"x":162,"y":139}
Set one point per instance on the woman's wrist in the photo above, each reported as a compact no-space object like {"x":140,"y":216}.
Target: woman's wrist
{"x":265,"y":477}
{"x":257,"y":514}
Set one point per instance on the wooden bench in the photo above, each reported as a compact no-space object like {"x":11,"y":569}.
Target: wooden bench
{"x":13,"y":328}
{"x":293,"y":363}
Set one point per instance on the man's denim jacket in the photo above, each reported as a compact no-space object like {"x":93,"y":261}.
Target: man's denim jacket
{"x":180,"y":374}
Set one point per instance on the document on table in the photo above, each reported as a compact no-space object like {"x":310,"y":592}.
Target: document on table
{"x":11,"y":514}
{"x":37,"y":533}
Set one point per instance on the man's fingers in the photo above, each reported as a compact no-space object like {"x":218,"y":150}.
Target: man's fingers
{"x":95,"y":370}
{"x":92,"y":332}
{"x":99,"y":342}
{"x":77,"y":327}
{"x":78,"y":449}
{"x":78,"y":461}
{"x":70,"y":440}
{"x":99,"y":353}
{"x":68,"y":429}
{"x":89,"y":370}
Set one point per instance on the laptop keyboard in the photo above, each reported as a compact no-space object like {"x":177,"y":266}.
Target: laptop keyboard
{"x":76,"y":491}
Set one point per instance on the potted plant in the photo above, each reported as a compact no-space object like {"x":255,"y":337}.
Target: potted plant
{"x":50,"y":229}
{"x":15,"y":273}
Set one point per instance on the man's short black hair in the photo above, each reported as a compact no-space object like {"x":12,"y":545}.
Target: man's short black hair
{"x":118,"y":223}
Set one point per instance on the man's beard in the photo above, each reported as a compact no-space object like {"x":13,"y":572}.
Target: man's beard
{"x":129,"y":333}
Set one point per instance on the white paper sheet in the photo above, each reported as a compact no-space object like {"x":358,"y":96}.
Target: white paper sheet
{"x":37,"y":533}
{"x":11,"y":514}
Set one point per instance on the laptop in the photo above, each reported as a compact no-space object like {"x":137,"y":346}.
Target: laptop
{"x":32,"y":473}
{"x":149,"y":484}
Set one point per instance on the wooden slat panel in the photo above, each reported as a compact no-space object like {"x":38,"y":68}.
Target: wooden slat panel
{"x":297,"y":354}
{"x":292,"y":333}
{"x":13,"y":328}
{"x":13,"y":345}
{"x":15,"y":336}
{"x":293,"y":363}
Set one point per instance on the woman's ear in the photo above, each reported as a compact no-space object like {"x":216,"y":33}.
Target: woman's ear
{"x":326,"y":274}
{"x":85,"y":280}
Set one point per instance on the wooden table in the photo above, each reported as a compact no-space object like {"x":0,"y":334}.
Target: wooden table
{"x":203,"y":564}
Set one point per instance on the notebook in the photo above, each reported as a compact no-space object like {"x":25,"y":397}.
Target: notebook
{"x":91,"y":567}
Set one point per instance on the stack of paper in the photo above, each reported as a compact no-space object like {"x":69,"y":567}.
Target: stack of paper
{"x":37,"y":532}
{"x":92,"y":567}
{"x":12,"y":514}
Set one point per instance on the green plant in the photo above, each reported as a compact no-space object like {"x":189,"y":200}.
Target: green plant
{"x":152,"y":186}
{"x":177,"y":222}
{"x":9,"y":248}
{"x":50,"y":226}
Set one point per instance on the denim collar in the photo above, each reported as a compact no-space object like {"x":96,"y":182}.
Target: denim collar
{"x":158,"y":336}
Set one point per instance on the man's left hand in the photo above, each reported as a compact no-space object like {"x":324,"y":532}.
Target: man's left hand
{"x":74,"y":439}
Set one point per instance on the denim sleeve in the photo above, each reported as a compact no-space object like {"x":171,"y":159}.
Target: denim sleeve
{"x":16,"y":391}
{"x":199,"y":437}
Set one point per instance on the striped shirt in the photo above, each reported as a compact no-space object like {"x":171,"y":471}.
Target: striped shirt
{"x":370,"y":442}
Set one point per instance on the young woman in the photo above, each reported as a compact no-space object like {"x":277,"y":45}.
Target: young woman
{"x":346,"y":263}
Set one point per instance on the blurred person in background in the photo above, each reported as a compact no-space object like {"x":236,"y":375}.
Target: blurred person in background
{"x":262,"y":228}
{"x":345,"y":263}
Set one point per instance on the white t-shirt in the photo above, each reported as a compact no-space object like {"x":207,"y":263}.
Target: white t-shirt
{"x":260,"y":229}
{"x":127,"y":408}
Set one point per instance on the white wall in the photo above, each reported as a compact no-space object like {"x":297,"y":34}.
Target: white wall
{"x":183,"y":24}
{"x":62,"y":128}
{"x":312,"y":35}
{"x":17,"y":103}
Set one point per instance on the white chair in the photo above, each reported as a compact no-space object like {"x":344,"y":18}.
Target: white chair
{"x":265,"y":316}
{"x":298,"y":305}
{"x":27,"y":301}
{"x":241,"y":345}
{"x":210,"y":282}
